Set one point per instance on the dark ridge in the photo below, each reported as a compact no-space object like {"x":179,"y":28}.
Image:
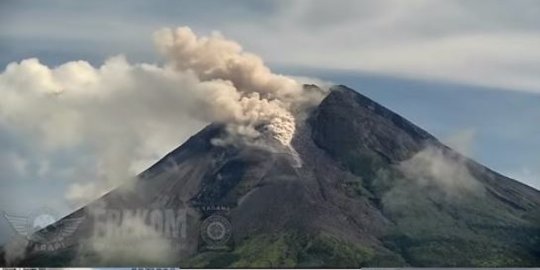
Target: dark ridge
{"x":345,"y":93}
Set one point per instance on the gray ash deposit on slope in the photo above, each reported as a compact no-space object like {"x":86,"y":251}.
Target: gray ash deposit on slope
{"x":363,"y":187}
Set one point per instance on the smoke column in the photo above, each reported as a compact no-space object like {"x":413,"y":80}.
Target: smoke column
{"x":265,"y":98}
{"x":124,"y":116}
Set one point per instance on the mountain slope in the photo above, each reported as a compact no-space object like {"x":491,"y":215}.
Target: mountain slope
{"x":362,"y":187}
{"x":460,"y":213}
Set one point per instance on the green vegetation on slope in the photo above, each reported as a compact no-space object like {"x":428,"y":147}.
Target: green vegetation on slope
{"x":287,"y":250}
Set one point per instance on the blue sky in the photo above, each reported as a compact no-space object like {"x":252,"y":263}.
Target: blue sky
{"x":452,"y":67}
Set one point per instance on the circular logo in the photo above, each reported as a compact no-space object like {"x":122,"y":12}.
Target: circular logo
{"x":216,"y":230}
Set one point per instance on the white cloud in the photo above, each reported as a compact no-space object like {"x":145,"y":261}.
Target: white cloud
{"x":432,"y":166}
{"x":118,"y":118}
{"x":486,"y":43}
{"x":452,"y":40}
{"x":86,"y":191}
{"x":447,"y":170}
{"x":119,"y":113}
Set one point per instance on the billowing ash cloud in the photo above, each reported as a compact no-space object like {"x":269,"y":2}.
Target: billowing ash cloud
{"x":265,"y":98}
{"x":118,"y":118}
{"x":215,"y":57}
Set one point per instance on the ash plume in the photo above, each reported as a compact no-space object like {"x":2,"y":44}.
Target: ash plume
{"x":265,"y":98}
{"x":123,"y":116}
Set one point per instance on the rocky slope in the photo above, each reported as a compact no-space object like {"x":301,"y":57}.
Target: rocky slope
{"x":362,"y":187}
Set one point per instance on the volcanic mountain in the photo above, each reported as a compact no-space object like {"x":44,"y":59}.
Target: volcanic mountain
{"x":359,"y":186}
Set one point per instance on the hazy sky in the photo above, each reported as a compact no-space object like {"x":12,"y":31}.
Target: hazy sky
{"x":466,"y":71}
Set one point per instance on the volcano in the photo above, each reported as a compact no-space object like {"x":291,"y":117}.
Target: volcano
{"x":358,"y":186}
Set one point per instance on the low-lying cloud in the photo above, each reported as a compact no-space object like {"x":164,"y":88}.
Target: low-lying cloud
{"x":434,"y":167}
{"x":15,"y":250}
{"x":134,"y":236}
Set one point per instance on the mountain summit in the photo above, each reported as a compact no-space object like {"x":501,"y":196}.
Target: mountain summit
{"x":358,"y":186}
